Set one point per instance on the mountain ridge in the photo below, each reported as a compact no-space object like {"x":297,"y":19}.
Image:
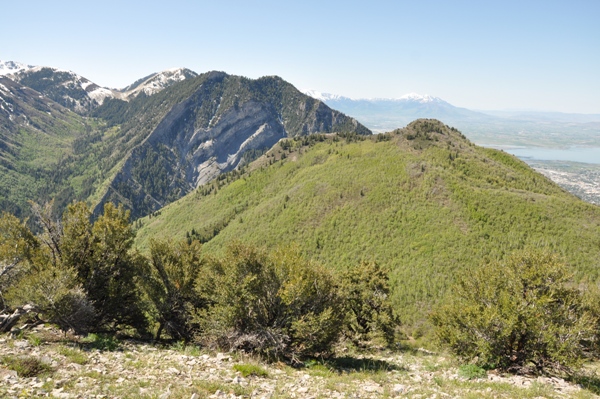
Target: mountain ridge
{"x":216,"y":119}
{"x":151,"y":142}
{"x":423,"y":202}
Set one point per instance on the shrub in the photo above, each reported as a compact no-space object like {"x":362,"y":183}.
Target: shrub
{"x":275,"y":305}
{"x":471,"y":371}
{"x":26,"y":366}
{"x":77,"y":274}
{"x":250,"y":369}
{"x":366,"y":296}
{"x":169,"y":286}
{"x":57,"y":296}
{"x":18,"y":247}
{"x":105,"y":264}
{"x":520,"y":315}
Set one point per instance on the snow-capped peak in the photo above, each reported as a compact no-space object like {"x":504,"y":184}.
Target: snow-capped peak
{"x":157,"y":82}
{"x":423,"y":99}
{"x":410,"y":97}
{"x":8,"y":67}
{"x":322,"y":96}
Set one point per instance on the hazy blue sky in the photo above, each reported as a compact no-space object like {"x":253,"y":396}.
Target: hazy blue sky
{"x":542,"y":55}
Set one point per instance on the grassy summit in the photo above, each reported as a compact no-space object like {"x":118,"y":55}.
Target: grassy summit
{"x":422,"y":201}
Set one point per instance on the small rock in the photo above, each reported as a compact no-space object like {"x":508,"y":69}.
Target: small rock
{"x":21,"y":344}
{"x":7,"y":374}
{"x":371,"y":387}
{"x":223,"y":357}
{"x":398,"y":388}
{"x":237,"y":380}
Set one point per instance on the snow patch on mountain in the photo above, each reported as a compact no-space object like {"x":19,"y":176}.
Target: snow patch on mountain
{"x":323,"y":96}
{"x":422,"y":99}
{"x":100,"y":94}
{"x":158,"y":82}
{"x":10,"y":67}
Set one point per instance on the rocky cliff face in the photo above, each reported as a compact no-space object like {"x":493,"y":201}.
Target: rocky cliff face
{"x":208,"y":133}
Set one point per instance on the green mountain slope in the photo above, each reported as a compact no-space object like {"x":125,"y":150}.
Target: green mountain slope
{"x":37,"y":135}
{"x":423,"y":200}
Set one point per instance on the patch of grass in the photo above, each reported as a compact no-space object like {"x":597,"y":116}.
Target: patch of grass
{"x":34,"y":340}
{"x":471,"y":371}
{"x":74,"y":355}
{"x":101,"y":342}
{"x":587,"y":381}
{"x":247,"y":369}
{"x":318,"y":369}
{"x":178,"y":346}
{"x":211,"y":387}
{"x":26,"y":366}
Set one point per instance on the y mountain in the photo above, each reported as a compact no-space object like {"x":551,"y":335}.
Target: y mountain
{"x":63,"y":137}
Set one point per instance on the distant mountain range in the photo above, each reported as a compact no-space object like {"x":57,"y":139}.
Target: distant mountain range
{"x":80,"y":94}
{"x":498,"y":128}
{"x":63,"y":137}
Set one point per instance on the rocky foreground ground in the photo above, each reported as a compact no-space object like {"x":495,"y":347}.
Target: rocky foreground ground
{"x":68,"y":367}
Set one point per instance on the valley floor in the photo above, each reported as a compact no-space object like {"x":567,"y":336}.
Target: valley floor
{"x":139,"y":370}
{"x":581,"y":179}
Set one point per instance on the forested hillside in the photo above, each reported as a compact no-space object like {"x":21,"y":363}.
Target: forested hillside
{"x":422,"y":201}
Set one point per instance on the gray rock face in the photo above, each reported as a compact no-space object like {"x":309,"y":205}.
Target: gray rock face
{"x":208,"y":134}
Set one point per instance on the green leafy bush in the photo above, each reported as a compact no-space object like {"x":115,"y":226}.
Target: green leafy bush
{"x":18,"y":248}
{"x":169,"y":285}
{"x":55,"y":293}
{"x":106,"y":266}
{"x":277,"y":305}
{"x":366,"y":293}
{"x":76,"y":274}
{"x":471,"y":371}
{"x":520,"y":315}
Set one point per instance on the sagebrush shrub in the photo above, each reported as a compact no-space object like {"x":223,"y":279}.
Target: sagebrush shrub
{"x":520,"y":315}
{"x":278,"y":305}
{"x":169,"y":281}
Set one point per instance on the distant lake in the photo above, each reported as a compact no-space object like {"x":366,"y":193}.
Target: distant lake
{"x":573,"y":154}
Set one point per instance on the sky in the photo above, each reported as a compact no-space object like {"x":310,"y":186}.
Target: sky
{"x":485,"y":55}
